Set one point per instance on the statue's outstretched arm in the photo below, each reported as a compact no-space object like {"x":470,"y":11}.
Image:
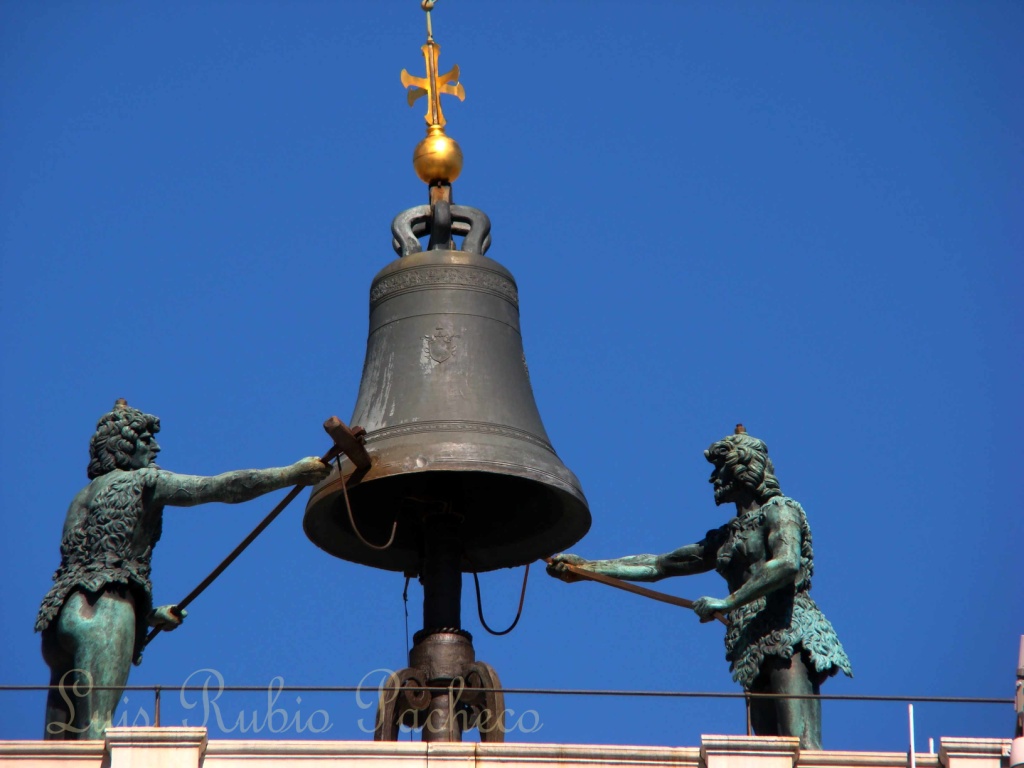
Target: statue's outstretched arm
{"x":688,"y":560}
{"x":680,"y":562}
{"x":234,"y":487}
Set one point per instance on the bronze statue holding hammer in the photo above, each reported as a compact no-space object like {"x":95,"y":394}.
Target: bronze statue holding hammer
{"x":777,"y":641}
{"x":94,"y":618}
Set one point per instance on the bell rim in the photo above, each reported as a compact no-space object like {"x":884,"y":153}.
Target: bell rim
{"x":573,"y":523}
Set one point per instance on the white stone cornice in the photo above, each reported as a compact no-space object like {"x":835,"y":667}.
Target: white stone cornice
{"x":155,"y":747}
{"x":51,"y":754}
{"x":189,"y":748}
{"x":748,"y":751}
{"x":812,"y":758}
{"x":973,"y":753}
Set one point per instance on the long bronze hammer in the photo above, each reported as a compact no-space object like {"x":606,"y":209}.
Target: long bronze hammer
{"x":347,"y":441}
{"x":611,"y":581}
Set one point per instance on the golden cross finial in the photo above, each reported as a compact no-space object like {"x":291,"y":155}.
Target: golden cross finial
{"x":437,"y":158}
{"x":433,"y":85}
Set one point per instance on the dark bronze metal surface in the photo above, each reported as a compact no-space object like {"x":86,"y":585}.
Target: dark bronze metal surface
{"x":440,"y":573}
{"x":442,"y":656}
{"x":348,"y":441}
{"x":449,"y":414}
{"x":454,"y":460}
{"x":412,"y":224}
{"x":445,"y":691}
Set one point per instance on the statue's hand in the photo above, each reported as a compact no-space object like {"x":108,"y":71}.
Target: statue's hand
{"x":310,"y":471}
{"x":707,"y":607}
{"x":166,"y":617}
{"x":557,"y":567}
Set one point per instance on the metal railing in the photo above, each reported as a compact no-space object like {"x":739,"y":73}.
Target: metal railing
{"x":158,"y":690}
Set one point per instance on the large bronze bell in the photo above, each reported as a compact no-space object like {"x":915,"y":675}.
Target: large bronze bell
{"x":449,"y":414}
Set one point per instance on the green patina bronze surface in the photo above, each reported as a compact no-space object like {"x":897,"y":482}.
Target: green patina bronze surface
{"x":778,"y":641}
{"x":95,"y":616}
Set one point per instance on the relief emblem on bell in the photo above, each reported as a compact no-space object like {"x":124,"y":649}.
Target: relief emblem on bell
{"x":441,"y":345}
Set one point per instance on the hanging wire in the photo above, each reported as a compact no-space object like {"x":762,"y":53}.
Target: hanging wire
{"x":480,"y":605}
{"x":352,"y":519}
{"x":405,"y":599}
{"x":408,"y":648}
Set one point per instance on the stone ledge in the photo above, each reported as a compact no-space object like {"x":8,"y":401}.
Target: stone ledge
{"x":155,"y":747}
{"x":810,"y":758}
{"x":717,"y":751}
{"x":588,"y":754}
{"x":189,"y":748}
{"x":228,"y":749}
{"x":221,"y":753}
{"x":51,"y":754}
{"x":152,"y":737}
{"x":974,"y":753}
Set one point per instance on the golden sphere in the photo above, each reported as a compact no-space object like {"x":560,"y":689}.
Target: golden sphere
{"x":437,"y":157}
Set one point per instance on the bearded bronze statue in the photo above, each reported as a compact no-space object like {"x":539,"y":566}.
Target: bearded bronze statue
{"x":95,"y":617}
{"x":777,"y":640}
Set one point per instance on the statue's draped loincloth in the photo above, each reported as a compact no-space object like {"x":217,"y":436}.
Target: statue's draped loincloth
{"x":112,"y":544}
{"x":779,"y":625}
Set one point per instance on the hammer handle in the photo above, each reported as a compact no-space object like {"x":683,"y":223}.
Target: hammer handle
{"x":611,"y":581}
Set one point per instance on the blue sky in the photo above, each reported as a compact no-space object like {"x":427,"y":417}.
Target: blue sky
{"x":801,"y":216}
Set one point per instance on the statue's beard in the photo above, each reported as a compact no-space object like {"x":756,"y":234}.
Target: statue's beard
{"x":722,"y":493}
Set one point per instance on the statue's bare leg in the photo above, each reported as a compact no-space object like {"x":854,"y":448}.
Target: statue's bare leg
{"x":61,"y":660}
{"x":763,"y":719}
{"x":92,"y":648}
{"x":794,"y":717}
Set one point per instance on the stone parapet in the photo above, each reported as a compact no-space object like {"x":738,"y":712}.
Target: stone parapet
{"x":155,"y":747}
{"x":753,"y":751}
{"x":974,"y":753}
{"x":189,"y":748}
{"x":834,"y":759}
{"x":290,"y":754}
{"x":51,"y":754}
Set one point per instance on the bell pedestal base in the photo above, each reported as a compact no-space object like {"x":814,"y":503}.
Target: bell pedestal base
{"x":444,"y":691}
